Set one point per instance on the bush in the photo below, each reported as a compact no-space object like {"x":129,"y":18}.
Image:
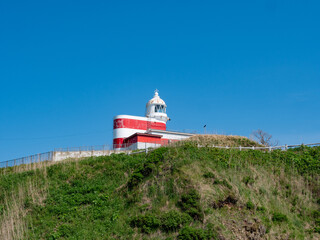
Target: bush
{"x":250,"y":205}
{"x":156,"y":156}
{"x":190,"y":233}
{"x":147,"y":223}
{"x":190,"y":204}
{"x":169,"y":221}
{"x":279,"y":217}
{"x":135,"y":179}
{"x":173,"y":220}
{"x":153,"y":160}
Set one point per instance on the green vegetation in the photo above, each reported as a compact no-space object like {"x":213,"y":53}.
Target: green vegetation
{"x":168,"y":222}
{"x":279,"y":217}
{"x":181,"y":192}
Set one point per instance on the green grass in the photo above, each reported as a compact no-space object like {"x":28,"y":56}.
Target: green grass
{"x":180,"y":192}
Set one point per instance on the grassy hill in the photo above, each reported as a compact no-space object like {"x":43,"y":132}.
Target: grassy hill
{"x":181,"y":192}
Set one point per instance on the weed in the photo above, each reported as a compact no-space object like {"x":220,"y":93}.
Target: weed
{"x":250,"y":205}
{"x":261,"y":209}
{"x":209,"y":175}
{"x":248,"y":180}
{"x":223,"y":182}
{"x":279,"y":217}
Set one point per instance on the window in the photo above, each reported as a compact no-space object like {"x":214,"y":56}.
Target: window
{"x":160,"y":109}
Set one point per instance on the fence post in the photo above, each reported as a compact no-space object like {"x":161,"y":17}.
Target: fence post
{"x":270,"y":149}
{"x":240,"y":148}
{"x":252,"y":147}
{"x":286,"y":147}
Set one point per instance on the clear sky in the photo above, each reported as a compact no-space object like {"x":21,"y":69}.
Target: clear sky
{"x":67,"y":67}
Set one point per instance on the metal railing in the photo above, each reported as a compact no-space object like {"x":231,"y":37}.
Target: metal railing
{"x":85,"y":148}
{"x":36,"y":158}
{"x":270,"y":148}
{"x":117,"y":148}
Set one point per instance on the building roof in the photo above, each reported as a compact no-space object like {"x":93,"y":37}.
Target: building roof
{"x":143,"y":135}
{"x":169,"y":132}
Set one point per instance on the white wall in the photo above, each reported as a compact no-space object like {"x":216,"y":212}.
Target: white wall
{"x":59,"y":156}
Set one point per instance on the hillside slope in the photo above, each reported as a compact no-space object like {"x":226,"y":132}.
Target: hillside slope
{"x":180,"y":192}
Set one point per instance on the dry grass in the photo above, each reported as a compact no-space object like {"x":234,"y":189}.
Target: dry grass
{"x":13,"y":223}
{"x":223,"y":140}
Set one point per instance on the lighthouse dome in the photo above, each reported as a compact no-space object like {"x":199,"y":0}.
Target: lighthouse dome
{"x":156,"y":99}
{"x":156,"y":108}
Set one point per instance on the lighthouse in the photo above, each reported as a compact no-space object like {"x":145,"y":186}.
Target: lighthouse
{"x":156,"y":108}
{"x":134,"y":132}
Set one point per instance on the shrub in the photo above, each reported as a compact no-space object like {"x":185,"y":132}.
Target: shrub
{"x":173,"y":220}
{"x":65,"y":231}
{"x":190,"y":203}
{"x":135,"y":179}
{"x":147,"y":223}
{"x":190,"y":233}
{"x":154,"y":158}
{"x":169,"y":221}
{"x":250,"y":205}
{"x":157,"y":155}
{"x":279,"y":217}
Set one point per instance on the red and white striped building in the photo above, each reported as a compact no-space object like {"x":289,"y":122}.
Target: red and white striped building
{"x":133,"y":132}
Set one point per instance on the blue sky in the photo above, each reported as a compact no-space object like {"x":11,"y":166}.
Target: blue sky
{"x":67,"y":67}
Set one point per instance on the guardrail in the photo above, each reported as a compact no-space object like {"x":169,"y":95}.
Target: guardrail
{"x":108,"y":149}
{"x":36,"y":158}
{"x":85,"y":148}
{"x":270,"y":148}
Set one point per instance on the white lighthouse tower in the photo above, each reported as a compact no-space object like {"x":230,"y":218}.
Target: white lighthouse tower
{"x":156,"y":108}
{"x":133,"y":132}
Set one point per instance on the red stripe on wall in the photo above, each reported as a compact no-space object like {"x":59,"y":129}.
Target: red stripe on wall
{"x":137,"y":124}
{"x":119,"y":142}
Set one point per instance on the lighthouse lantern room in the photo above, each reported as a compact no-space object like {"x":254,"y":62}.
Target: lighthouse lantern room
{"x":134,"y":132}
